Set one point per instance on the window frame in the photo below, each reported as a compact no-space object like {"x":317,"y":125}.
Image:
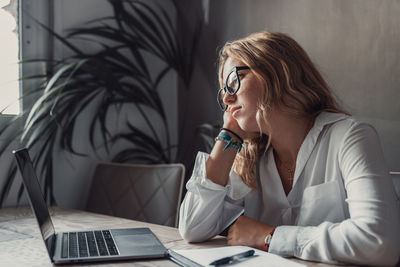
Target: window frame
{"x":34,"y":43}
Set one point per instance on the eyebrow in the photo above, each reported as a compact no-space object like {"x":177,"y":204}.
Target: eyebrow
{"x":242,"y":67}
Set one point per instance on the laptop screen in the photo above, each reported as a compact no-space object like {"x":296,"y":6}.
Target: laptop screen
{"x":38,"y":203}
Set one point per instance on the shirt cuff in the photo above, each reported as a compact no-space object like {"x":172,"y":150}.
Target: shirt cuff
{"x":289,"y":241}
{"x":235,"y":188}
{"x":284,"y":241}
{"x":199,"y":176}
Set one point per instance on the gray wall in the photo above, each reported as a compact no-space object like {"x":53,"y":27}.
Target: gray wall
{"x":354,"y":43}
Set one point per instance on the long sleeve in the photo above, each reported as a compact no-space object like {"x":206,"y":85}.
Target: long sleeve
{"x":371,"y":235}
{"x":208,"y":207}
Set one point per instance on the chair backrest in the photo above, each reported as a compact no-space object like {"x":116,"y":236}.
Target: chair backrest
{"x":396,"y":181}
{"x":150,"y":193}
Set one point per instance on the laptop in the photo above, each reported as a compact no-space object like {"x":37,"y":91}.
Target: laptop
{"x":85,"y":246}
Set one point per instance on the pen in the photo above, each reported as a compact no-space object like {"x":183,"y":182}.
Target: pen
{"x":235,"y":257}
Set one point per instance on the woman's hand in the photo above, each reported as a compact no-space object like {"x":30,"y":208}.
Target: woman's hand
{"x":231,"y":124}
{"x":248,"y":232}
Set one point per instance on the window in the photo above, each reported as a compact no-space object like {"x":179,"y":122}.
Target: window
{"x":22,"y":39}
{"x":9,"y":67}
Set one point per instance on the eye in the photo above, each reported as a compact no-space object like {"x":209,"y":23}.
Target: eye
{"x":241,"y":75}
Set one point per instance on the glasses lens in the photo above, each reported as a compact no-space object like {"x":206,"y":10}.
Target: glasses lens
{"x":232,"y":82}
{"x":220,"y":99}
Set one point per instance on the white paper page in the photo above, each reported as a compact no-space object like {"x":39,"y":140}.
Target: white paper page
{"x":261,"y":258}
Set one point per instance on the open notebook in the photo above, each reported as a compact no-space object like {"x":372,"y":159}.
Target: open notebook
{"x":203,"y":257}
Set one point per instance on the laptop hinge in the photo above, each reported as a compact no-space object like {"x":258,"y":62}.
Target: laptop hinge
{"x":50,"y":243}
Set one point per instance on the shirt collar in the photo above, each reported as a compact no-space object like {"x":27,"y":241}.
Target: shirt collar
{"x":323,"y":119}
{"x":326,"y":118}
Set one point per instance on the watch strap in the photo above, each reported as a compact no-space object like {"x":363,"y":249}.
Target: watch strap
{"x":268,"y":238}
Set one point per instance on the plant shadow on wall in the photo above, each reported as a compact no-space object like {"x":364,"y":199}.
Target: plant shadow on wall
{"x":115,"y":76}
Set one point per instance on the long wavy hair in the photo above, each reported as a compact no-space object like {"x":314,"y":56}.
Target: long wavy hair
{"x":291,"y":81}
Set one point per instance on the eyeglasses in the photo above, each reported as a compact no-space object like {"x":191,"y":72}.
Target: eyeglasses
{"x":232,"y":85}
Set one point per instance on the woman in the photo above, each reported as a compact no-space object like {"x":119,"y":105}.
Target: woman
{"x":310,"y":179}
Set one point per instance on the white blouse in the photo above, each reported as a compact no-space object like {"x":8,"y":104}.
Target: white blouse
{"x":342,"y":207}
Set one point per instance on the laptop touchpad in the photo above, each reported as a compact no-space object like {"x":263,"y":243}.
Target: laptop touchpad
{"x":136,"y":243}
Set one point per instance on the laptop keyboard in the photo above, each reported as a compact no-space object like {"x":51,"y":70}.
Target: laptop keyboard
{"x":88,"y":244}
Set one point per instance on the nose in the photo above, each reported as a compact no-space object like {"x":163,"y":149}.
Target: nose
{"x":229,"y":99}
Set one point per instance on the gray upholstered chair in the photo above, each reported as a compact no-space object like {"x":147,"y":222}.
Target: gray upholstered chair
{"x":149,"y":193}
{"x":396,"y":181}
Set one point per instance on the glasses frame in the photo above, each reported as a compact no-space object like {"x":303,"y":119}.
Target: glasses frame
{"x":228,"y":89}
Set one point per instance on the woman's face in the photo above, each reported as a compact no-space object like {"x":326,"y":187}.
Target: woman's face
{"x":244,"y":103}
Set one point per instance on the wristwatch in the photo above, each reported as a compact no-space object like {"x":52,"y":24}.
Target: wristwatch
{"x":268,"y":239}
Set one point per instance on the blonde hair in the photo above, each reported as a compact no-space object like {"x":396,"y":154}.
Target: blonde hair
{"x":290,"y":80}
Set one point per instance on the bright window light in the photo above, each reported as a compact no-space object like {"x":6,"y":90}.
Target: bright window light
{"x":9,"y":68}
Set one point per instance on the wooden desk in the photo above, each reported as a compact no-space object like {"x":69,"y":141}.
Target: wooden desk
{"x":22,"y":245}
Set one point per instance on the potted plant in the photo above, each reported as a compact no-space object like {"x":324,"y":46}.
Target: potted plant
{"x":115,"y":76}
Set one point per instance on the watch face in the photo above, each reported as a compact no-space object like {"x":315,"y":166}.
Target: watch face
{"x":268,"y":239}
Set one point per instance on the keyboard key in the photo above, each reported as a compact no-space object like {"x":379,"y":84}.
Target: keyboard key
{"x":64,"y":248}
{"x":91,"y":244}
{"x":73,"y":245}
{"x":101,"y":245}
{"x":110,"y":243}
{"x":83,"y":250}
